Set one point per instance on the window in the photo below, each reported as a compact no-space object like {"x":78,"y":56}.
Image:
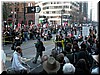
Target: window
{"x":15,"y":9}
{"x":30,"y":4}
{"x":67,"y":6}
{"x":70,"y":7}
{"x":47,"y":12}
{"x":57,"y":2}
{"x":54,"y":2}
{"x":15,"y":15}
{"x":60,"y":6}
{"x":53,"y":12}
{"x":55,"y":7}
{"x":47,"y":7}
{"x":22,"y":9}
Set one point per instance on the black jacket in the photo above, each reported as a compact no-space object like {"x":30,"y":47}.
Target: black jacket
{"x":39,"y":46}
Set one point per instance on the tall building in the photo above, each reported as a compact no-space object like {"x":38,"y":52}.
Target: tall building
{"x":84,"y":10}
{"x":53,"y":11}
{"x":19,"y":13}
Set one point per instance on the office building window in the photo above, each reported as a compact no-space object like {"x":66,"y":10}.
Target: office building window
{"x":30,"y":4}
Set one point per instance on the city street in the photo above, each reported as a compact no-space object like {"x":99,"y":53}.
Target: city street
{"x":64,"y":27}
{"x":29,"y":52}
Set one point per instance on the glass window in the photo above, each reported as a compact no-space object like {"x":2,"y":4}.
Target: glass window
{"x":70,"y":7}
{"x":47,"y":7}
{"x":53,"y":12}
{"x":17,"y":9}
{"x":47,"y":12}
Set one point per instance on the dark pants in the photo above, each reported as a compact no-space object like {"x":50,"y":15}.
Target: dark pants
{"x":37,"y":55}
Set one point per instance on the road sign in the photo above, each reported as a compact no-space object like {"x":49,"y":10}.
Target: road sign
{"x":34,"y":9}
{"x":38,"y":9}
{"x":31,"y":9}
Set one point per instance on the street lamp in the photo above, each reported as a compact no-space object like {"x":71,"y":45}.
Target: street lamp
{"x":62,"y":12}
{"x":14,"y":18}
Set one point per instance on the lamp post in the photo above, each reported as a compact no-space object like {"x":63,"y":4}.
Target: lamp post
{"x":14,"y":18}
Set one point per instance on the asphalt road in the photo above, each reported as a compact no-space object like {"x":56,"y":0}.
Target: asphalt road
{"x":29,"y":52}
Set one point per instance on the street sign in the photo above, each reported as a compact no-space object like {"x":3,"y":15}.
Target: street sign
{"x":38,"y":9}
{"x":31,"y":9}
{"x":34,"y":9}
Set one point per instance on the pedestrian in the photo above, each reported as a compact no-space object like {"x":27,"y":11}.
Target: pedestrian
{"x":54,"y":53}
{"x":68,"y":68}
{"x":17,"y":63}
{"x":50,"y":66}
{"x":44,"y":58}
{"x":84,"y":54}
{"x":60,"y":59}
{"x":26,"y":38}
{"x":3,"y":61}
{"x":82,"y":68}
{"x":17,"y":42}
{"x":39,"y":48}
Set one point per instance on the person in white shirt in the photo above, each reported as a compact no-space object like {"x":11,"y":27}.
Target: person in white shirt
{"x":17,"y":62}
{"x":3,"y":61}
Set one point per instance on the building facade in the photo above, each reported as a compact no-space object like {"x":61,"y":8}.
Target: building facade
{"x":84,"y":11}
{"x":19,"y":13}
{"x":53,"y":11}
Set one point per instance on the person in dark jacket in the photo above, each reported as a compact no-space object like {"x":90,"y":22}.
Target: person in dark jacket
{"x":81,"y":68}
{"x":83,"y":54}
{"x":39,"y":48}
{"x":60,"y":59}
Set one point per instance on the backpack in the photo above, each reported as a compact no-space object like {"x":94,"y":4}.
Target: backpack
{"x":43,"y":48}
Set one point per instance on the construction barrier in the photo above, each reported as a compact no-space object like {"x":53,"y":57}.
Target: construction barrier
{"x":7,"y":39}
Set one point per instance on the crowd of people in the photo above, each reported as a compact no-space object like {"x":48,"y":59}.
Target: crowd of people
{"x":70,"y":55}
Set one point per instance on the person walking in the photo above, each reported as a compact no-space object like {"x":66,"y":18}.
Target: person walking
{"x":39,"y":48}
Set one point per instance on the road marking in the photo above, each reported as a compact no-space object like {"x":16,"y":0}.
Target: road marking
{"x":35,"y":68}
